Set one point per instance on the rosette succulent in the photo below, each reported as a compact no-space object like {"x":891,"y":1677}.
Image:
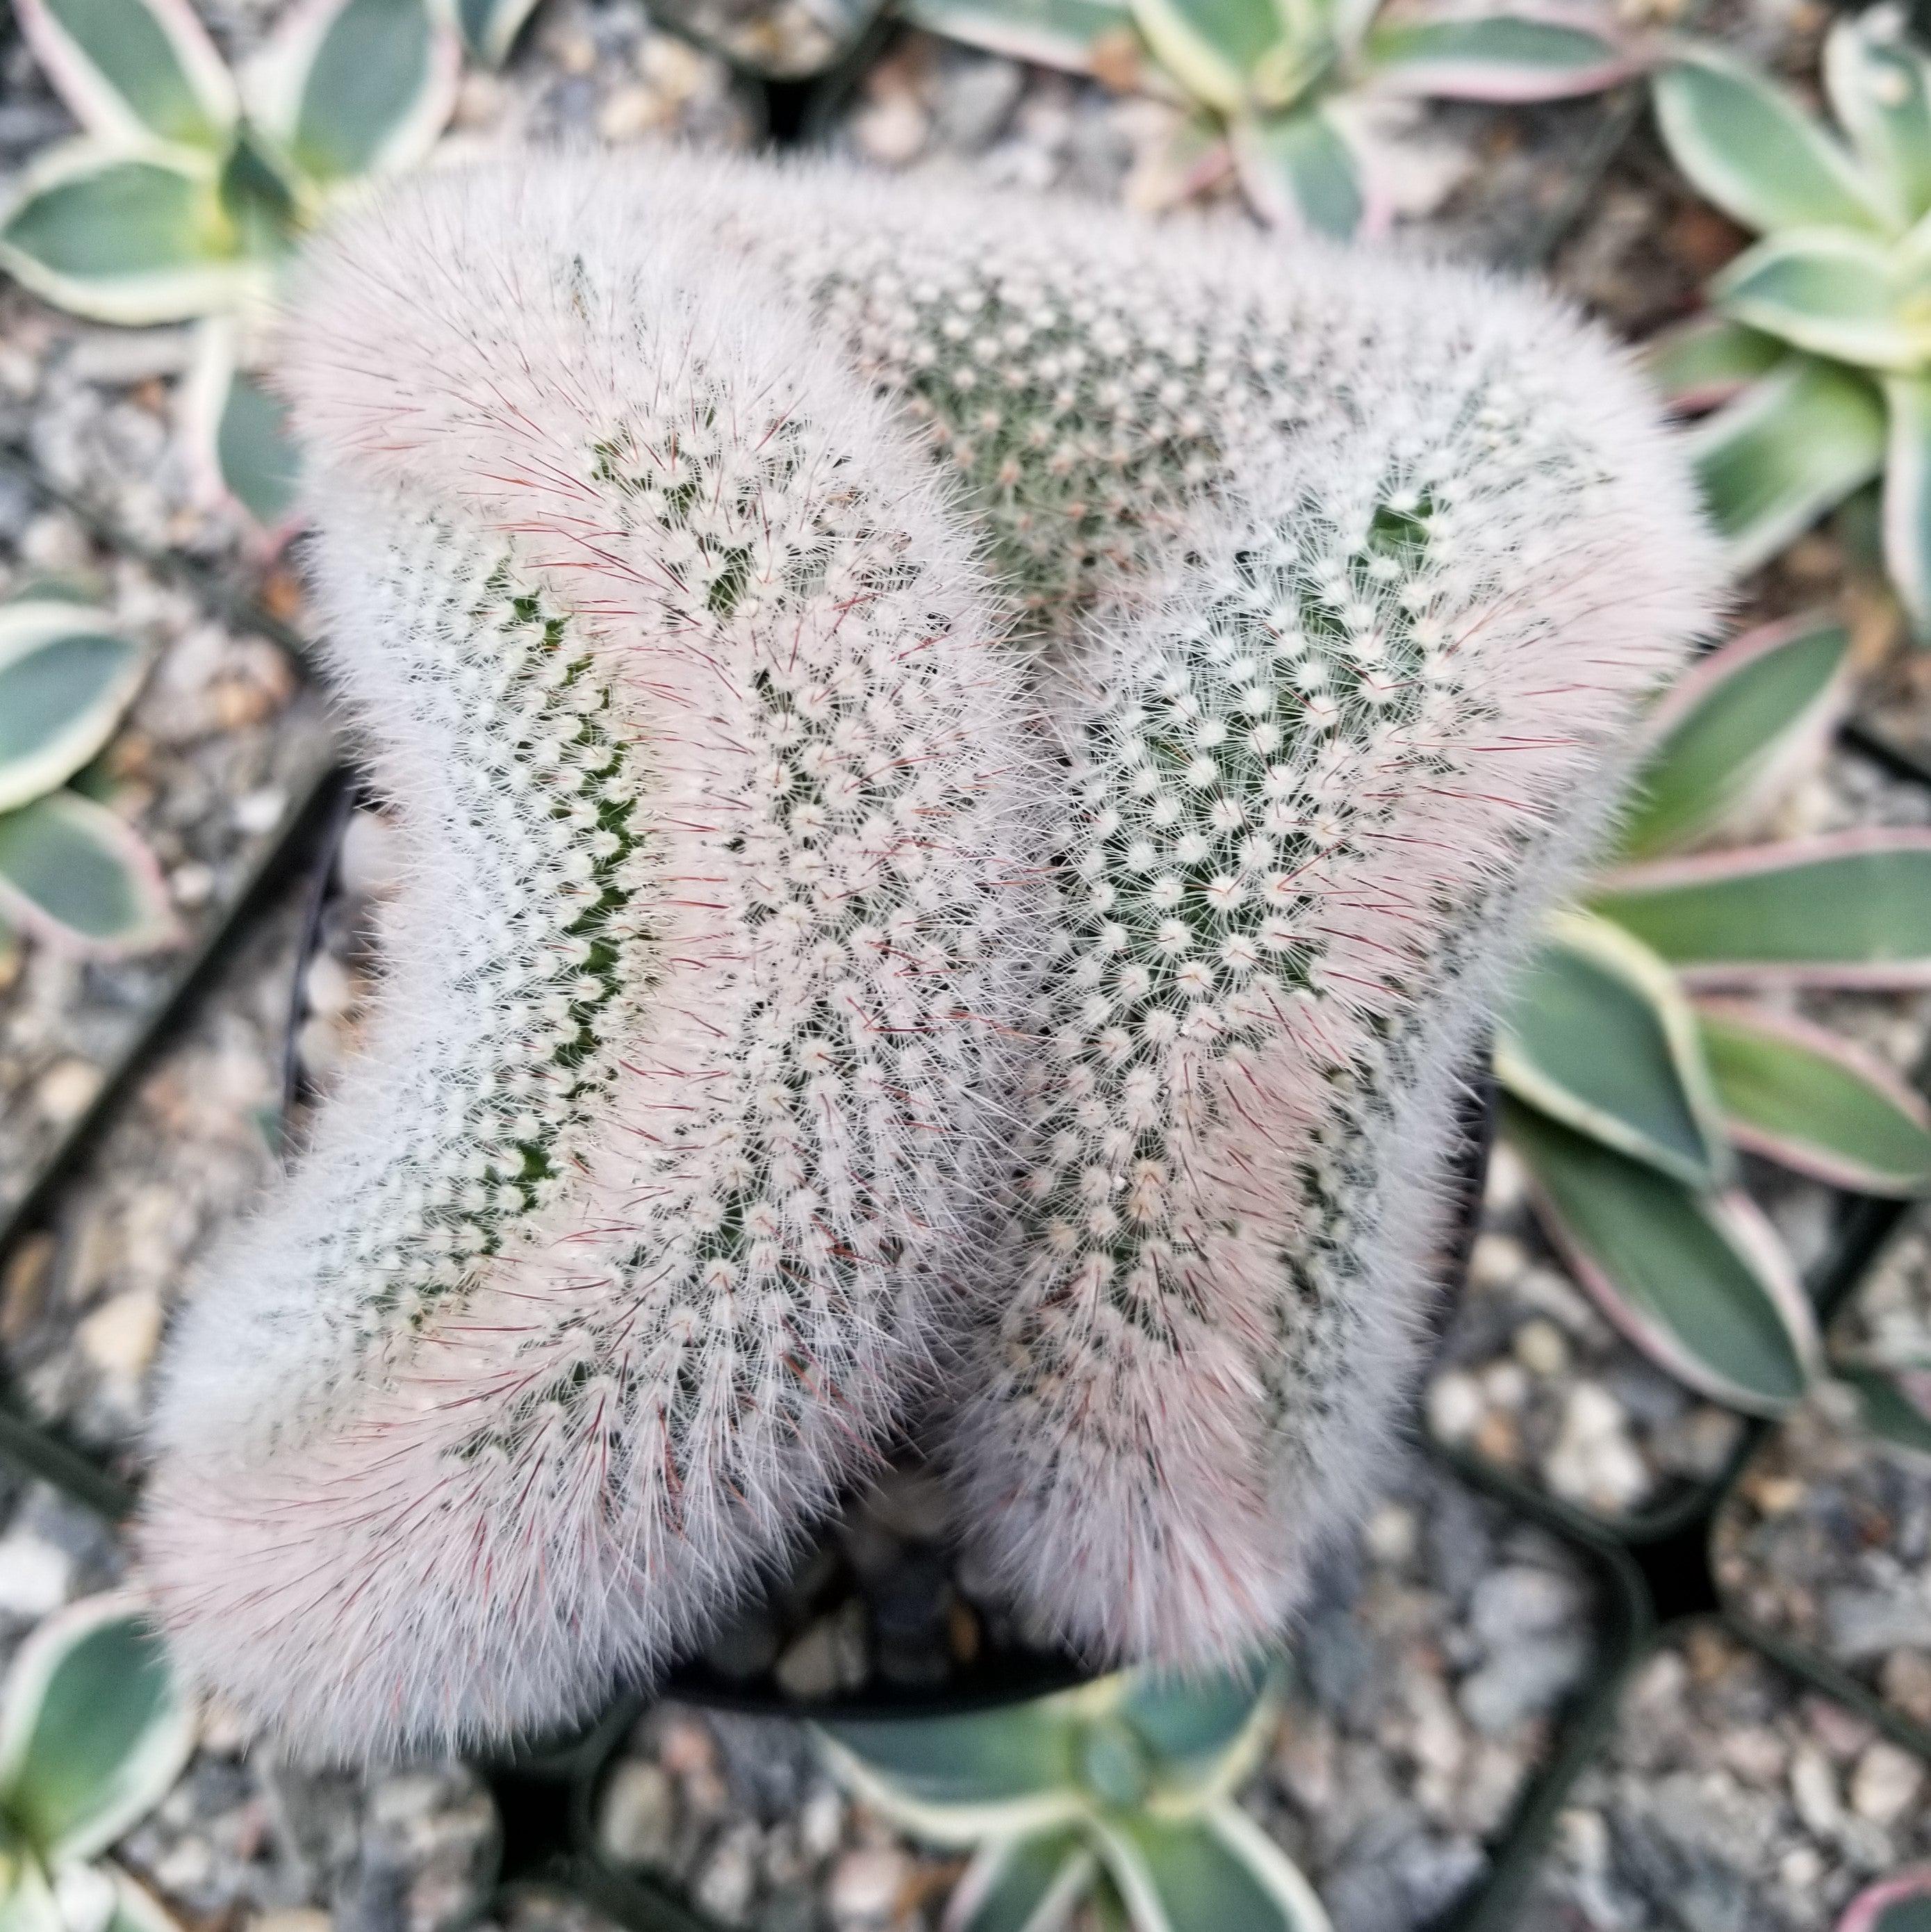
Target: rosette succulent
{"x":1118,"y":1795}
{"x":1284,"y":89}
{"x":1814,"y":359}
{"x":1656,"y":1034}
{"x":188,"y":187}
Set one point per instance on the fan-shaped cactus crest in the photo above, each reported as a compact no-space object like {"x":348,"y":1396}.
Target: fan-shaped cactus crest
{"x":775,"y":922}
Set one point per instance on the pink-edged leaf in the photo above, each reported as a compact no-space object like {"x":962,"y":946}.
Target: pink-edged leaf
{"x":1907,"y":497}
{"x":1597,"y":1034}
{"x":1226,"y":54}
{"x":1300,"y":170}
{"x":80,"y":877}
{"x":1786,"y":449}
{"x":490,"y":27}
{"x":354,"y":89}
{"x":1699,"y":1282}
{"x":95,"y":1729}
{"x":1748,"y":145}
{"x":1526,"y":53}
{"x":134,"y":238}
{"x":1732,"y":734}
{"x":1900,"y":1903}
{"x":237,"y":434}
{"x":1802,"y":1096}
{"x":67,"y":674}
{"x":1076,"y":35}
{"x":1849,"y":909}
{"x":1212,"y":1872}
{"x":1022,"y":1884}
{"x":1839,"y":295}
{"x":1702,"y":363}
{"x":133,"y":71}
{"x":1894,"y":1404}
{"x":1878,"y":79}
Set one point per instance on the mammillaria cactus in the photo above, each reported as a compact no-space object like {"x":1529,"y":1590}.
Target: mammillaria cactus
{"x":1341,"y":578}
{"x":617,"y":1246}
{"x":1350,"y":572}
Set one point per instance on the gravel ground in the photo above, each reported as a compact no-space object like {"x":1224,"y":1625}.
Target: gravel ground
{"x":1729,"y":1798}
{"x":84,"y":1300}
{"x":220,"y":744}
{"x":1826,"y":1541}
{"x":1434,"y":1665}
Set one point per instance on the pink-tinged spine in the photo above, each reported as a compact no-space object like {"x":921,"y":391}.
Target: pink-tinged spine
{"x":616,"y":1250}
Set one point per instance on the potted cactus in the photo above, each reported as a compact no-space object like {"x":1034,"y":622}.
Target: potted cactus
{"x":1030,"y":917}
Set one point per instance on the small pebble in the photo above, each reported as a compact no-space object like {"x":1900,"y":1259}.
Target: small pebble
{"x":35,"y":1576}
{"x":1455,"y":1406}
{"x":637,"y":1821}
{"x":120,"y":1337}
{"x":1886,"y":1784}
{"x":865,"y":1885}
{"x":65,"y":1091}
{"x":1540,"y":1349}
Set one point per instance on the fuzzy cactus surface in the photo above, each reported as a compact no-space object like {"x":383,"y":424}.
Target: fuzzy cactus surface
{"x":619,"y":1242}
{"x":1124,"y":1005}
{"x":1347,"y":573}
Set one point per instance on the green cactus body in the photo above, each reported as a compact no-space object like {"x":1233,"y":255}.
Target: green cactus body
{"x":619,"y":1247}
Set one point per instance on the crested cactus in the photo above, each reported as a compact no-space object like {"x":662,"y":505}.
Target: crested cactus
{"x":1348,"y":575}
{"x":616,"y":1248}
{"x":1338,"y":579}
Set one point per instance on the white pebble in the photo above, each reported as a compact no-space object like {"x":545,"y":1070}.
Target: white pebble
{"x":1885,"y":1784}
{"x":34,"y":1577}
{"x":1455,"y":1406}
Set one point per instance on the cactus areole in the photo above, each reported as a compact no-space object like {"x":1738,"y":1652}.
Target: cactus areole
{"x":970,"y":771}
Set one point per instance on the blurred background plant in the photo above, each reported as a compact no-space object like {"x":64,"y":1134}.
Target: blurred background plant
{"x":1900,"y":1903}
{"x":1642,"y":1049}
{"x":71,"y":871}
{"x":1119,"y":1794}
{"x":189,"y":187}
{"x":93,"y":1734}
{"x":1277,"y":88}
{"x":1814,"y":360}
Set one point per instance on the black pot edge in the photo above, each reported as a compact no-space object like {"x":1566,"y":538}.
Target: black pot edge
{"x":1499,"y":1908}
{"x":1624,"y":1623}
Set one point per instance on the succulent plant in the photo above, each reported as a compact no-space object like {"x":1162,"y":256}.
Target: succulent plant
{"x":94,"y":1732}
{"x":490,"y":27}
{"x":1341,"y":580}
{"x":188,"y":187}
{"x":1814,"y":360}
{"x":1279,"y":86}
{"x":1639,"y":1051}
{"x":1119,"y":1793}
{"x":72,"y":872}
{"x":614,"y":1253}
